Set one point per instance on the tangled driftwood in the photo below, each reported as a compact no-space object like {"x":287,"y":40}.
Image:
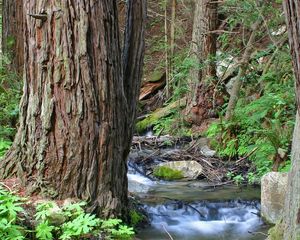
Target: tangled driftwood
{"x":150,"y":150}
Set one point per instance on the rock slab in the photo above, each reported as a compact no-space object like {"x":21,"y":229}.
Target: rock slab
{"x":273,"y":191}
{"x":190,"y":169}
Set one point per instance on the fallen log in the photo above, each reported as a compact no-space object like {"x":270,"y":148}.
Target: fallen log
{"x":150,"y":120}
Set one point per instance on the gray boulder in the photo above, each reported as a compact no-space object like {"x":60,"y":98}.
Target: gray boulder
{"x":273,"y":191}
{"x":138,"y":183}
{"x":203,"y":144}
{"x":189,"y":169}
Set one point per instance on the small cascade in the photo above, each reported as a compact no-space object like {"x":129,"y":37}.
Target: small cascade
{"x":204,"y":220}
{"x":137,"y":183}
{"x":196,"y":210}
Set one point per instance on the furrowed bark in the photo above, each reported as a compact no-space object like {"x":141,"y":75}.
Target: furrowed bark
{"x":291,"y":216}
{"x":74,"y":137}
{"x":203,"y":100}
{"x":133,"y":58}
{"x":12,"y":33}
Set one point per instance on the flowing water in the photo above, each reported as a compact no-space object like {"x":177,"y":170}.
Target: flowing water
{"x":196,"y":211}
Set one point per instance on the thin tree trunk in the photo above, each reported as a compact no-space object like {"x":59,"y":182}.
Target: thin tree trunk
{"x":77,"y":108}
{"x":291,"y":218}
{"x":133,"y":60}
{"x":12,"y":33}
{"x":237,"y":84}
{"x":196,"y":48}
{"x":167,"y":52}
{"x":172,"y":28}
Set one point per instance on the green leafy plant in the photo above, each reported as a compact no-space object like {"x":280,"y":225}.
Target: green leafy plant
{"x":43,"y":210}
{"x":252,"y":178}
{"x":76,"y":223}
{"x":238,"y":179}
{"x":4,"y":146}
{"x":116,"y":229}
{"x":81,"y":225}
{"x":10,"y":206}
{"x":260,"y":128}
{"x":230,"y":175}
{"x":44,"y":231}
{"x":135,"y":217}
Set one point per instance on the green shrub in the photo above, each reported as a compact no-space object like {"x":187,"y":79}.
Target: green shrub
{"x":260,"y":128}
{"x":4,"y":146}
{"x":10,"y":206}
{"x":76,"y":224}
{"x":167,"y":173}
{"x":135,"y":217}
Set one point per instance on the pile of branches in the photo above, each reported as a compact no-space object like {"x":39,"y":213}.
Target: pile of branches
{"x":149,"y":151}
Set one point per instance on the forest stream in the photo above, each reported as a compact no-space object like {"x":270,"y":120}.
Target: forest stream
{"x":193,"y":210}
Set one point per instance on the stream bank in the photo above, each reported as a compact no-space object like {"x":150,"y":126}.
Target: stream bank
{"x":206,"y":208}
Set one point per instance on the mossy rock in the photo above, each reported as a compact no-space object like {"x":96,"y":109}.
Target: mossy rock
{"x":144,"y":124}
{"x":156,"y":76}
{"x":167,"y":173}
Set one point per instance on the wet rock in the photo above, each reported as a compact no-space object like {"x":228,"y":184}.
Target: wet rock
{"x":207,"y":152}
{"x":273,"y":191}
{"x":190,"y":169}
{"x":55,"y":214}
{"x":203,"y":185}
{"x":138,"y":183}
{"x":204,"y":147}
{"x":137,"y":187}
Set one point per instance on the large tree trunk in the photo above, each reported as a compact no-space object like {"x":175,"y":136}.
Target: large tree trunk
{"x":78,"y":107}
{"x":291,"y":215}
{"x":203,"y":75}
{"x":12,"y":33}
{"x":291,"y":219}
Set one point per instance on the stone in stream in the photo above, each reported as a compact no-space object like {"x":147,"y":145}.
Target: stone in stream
{"x":203,"y":144}
{"x":190,"y":169}
{"x":273,"y":191}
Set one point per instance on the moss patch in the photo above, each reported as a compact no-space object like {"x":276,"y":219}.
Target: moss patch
{"x":149,"y":121}
{"x":167,"y":173}
{"x":156,"y":76}
{"x":135,"y":218}
{"x":276,"y":232}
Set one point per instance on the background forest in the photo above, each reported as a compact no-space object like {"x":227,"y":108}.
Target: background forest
{"x":219,"y":70}
{"x":251,"y":63}
{"x":263,"y":117}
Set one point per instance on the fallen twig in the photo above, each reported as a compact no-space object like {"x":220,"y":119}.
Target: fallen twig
{"x":255,"y":233}
{"x":248,"y":155}
{"x":170,"y":236}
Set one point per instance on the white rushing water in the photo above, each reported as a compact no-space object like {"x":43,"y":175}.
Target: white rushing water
{"x":205,"y":220}
{"x":189,"y":219}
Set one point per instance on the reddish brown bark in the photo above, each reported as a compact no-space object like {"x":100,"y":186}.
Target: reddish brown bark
{"x":205,"y":97}
{"x":78,"y":107}
{"x":292,"y":9}
{"x":12,"y":33}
